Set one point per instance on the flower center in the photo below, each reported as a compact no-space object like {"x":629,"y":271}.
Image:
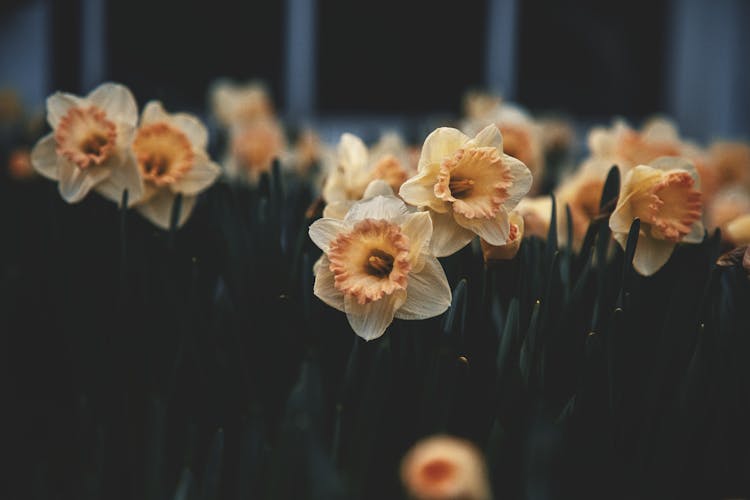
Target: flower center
{"x":163,"y":152}
{"x":438,"y":470}
{"x":475,"y":181}
{"x":371,"y":260}
{"x":670,"y":206}
{"x":85,"y":136}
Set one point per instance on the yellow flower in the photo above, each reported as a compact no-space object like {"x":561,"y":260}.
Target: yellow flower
{"x":445,"y":468}
{"x":376,"y":266}
{"x":468,"y":185}
{"x":665,"y":197}
{"x":171,"y":153}
{"x":236,"y":104}
{"x":89,"y":147}
{"x":356,"y":167}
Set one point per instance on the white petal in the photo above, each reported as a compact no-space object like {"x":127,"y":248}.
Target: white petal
{"x":377,"y":187}
{"x":323,"y":231}
{"x":193,"y":129}
{"x":44,"y":157}
{"x":380,"y":207}
{"x":153,"y":112}
{"x":75,"y":183}
{"x":448,"y":237}
{"x":420,"y":190}
{"x":489,"y":136}
{"x":522,"y":181}
{"x":427,"y":294}
{"x":200,"y":177}
{"x":58,"y":104}
{"x":651,"y":254}
{"x":493,"y":231}
{"x":324,"y":287}
{"x":369,"y":321}
{"x":352,"y":152}
{"x":117,"y":101}
{"x":125,"y":175}
{"x":418,"y":228}
{"x":696,"y":233}
{"x":158,"y":208}
{"x":440,"y":144}
{"x":337,"y":209}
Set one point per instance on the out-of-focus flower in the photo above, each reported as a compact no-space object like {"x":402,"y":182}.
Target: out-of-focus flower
{"x":480,"y":105}
{"x":536,"y":213}
{"x":89,"y":147}
{"x":308,"y":151}
{"x":445,"y":468}
{"x":11,"y":109}
{"x":19,"y":165}
{"x":356,"y":168}
{"x":727,"y":205}
{"x":730,"y":162}
{"x":582,"y":192}
{"x":510,"y":249}
{"x":171,"y":154}
{"x":236,"y":104}
{"x":557,"y":134}
{"x":738,"y":230}
{"x":665,"y":197}
{"x":468,"y":185}
{"x":376,"y":266}
{"x":254,"y":146}
{"x":339,"y":209}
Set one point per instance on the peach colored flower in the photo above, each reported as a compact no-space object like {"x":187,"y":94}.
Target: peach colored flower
{"x":376,"y":265}
{"x":171,"y":153}
{"x":237,"y":104}
{"x":510,"y":249}
{"x":468,"y":186}
{"x":89,"y":147}
{"x":445,"y":468}
{"x":727,"y":205}
{"x":730,"y":162}
{"x":254,"y":146}
{"x":665,"y":196}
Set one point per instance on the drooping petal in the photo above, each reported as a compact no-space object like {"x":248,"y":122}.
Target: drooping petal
{"x":494,"y":231}
{"x":352,"y":152}
{"x":44,"y":157}
{"x":380,"y":207}
{"x":75,"y":183}
{"x":117,"y":101}
{"x":448,"y":237}
{"x":522,"y":181}
{"x":158,"y":208}
{"x":125,"y":175}
{"x":324,"y":287}
{"x":651,"y":255}
{"x":441,"y":143}
{"x":370,"y":320}
{"x":323,"y":231}
{"x":58,"y":105}
{"x":427,"y":294}
{"x":489,"y":136}
{"x":203,"y":173}
{"x":193,"y":128}
{"x":418,"y":228}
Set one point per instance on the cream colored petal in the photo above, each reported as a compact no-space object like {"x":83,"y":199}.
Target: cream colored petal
{"x":651,"y":255}
{"x":448,"y":237}
{"x":335,"y":187}
{"x":380,"y":207}
{"x":153,"y":112}
{"x":377,"y":187}
{"x":193,"y":129}
{"x":117,"y":102}
{"x":58,"y":104}
{"x":337,"y":209}
{"x":441,"y":143}
{"x":418,"y":228}
{"x":489,"y":136}
{"x":323,"y":231}
{"x":125,"y":134}
{"x":667,"y":163}
{"x":420,"y":190}
{"x":493,"y":231}
{"x":660,"y":130}
{"x":158,"y":208}
{"x":199,"y":178}
{"x":44,"y":157}
{"x":324,"y":287}
{"x":370,"y":321}
{"x":352,"y":152}
{"x":697,"y":231}
{"x":522,"y":181}
{"x":739,"y":230}
{"x":125,"y":175}
{"x":75,"y":183}
{"x":427,"y":293}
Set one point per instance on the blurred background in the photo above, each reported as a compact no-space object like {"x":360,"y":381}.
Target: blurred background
{"x":338,"y":65}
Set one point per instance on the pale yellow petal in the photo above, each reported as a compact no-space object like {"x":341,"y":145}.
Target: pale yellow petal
{"x":117,"y":102}
{"x":323,"y":231}
{"x":58,"y":105}
{"x":493,"y":231}
{"x":427,"y":294}
{"x":651,"y":255}
{"x":370,"y":320}
{"x":440,"y":144}
{"x":75,"y":183}
{"x":448,"y":237}
{"x":324,"y":287}
{"x":44,"y":157}
{"x":199,"y":178}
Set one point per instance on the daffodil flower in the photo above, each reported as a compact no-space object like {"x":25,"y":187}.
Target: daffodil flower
{"x":509,"y":249}
{"x":376,"y":266}
{"x":356,"y":167}
{"x":468,"y":186}
{"x":235,"y":104}
{"x":89,"y":147}
{"x":171,"y":153}
{"x":253,"y":147}
{"x":665,"y":196}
